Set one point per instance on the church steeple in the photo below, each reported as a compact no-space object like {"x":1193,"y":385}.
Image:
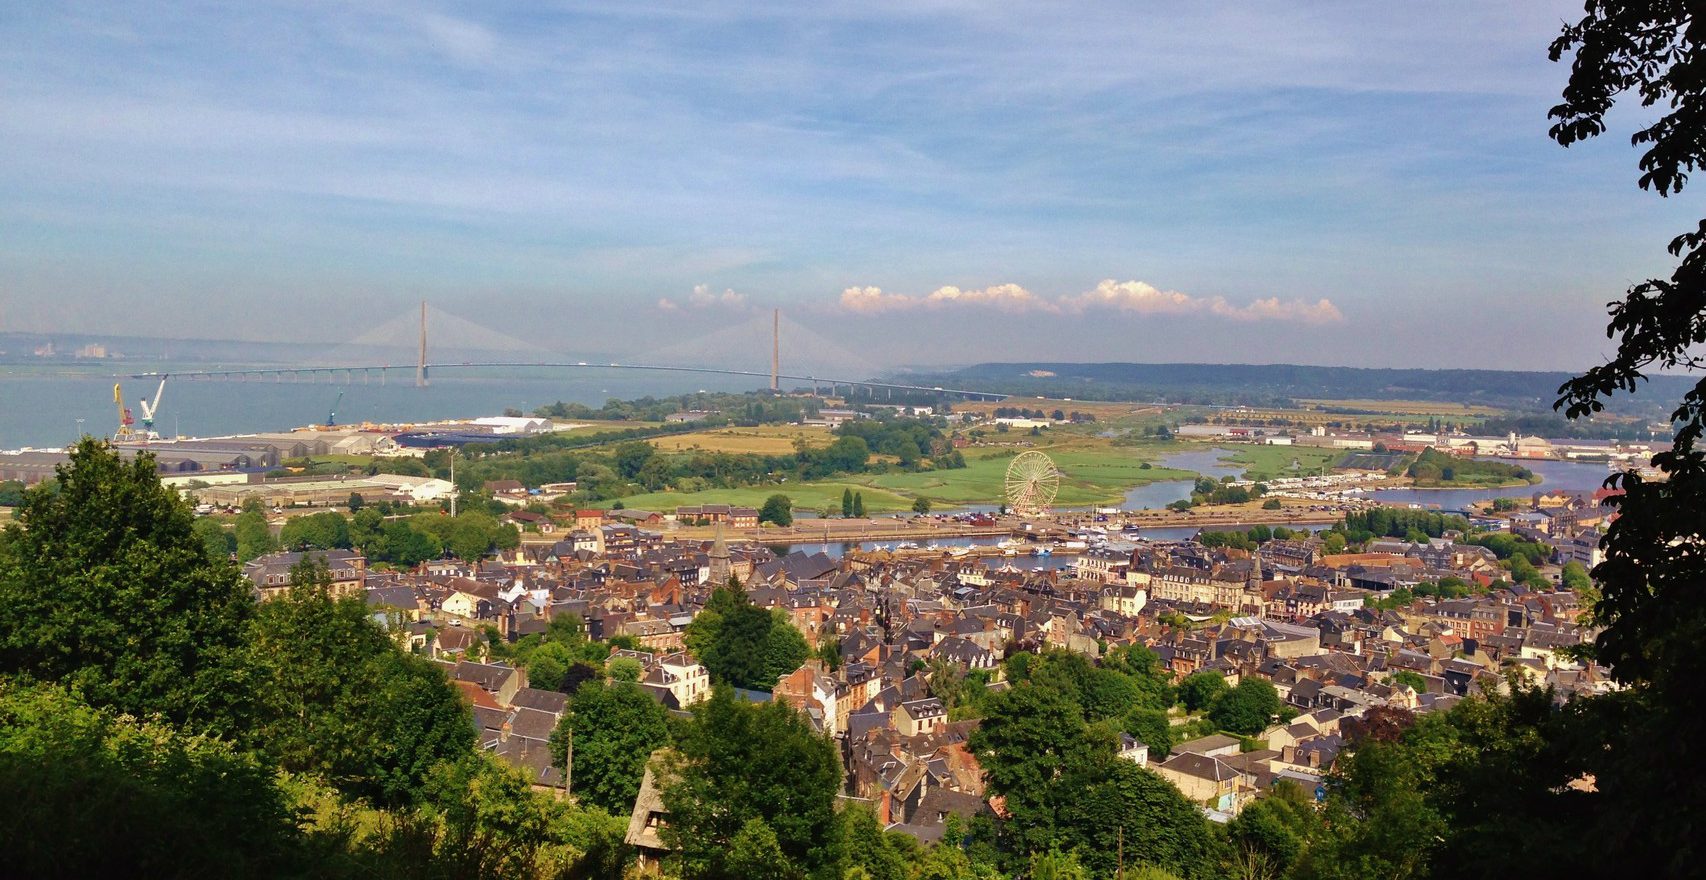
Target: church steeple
{"x":1254,"y":585}
{"x":720,"y":568}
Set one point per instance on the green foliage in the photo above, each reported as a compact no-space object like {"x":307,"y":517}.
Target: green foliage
{"x":1273,"y":831}
{"x":777,"y":510}
{"x":784,"y":649}
{"x":1248,"y":708}
{"x":1434,"y":466}
{"x":401,"y":544}
{"x":106,"y":587}
{"x":846,"y":503}
{"x":858,"y":505}
{"x":329,"y":530}
{"x":254,"y":536}
{"x":480,"y":819}
{"x":738,"y":762}
{"x":1410,"y":679}
{"x":337,"y":698}
{"x":88,"y":793}
{"x":875,"y":853}
{"x":560,"y":658}
{"x":743,"y":645}
{"x":304,"y":682}
{"x":615,"y":729}
{"x":1393,"y":522}
{"x":921,"y":505}
{"x":1152,"y":728}
{"x":1064,"y":787}
{"x":1506,"y":545}
{"x":218,"y":540}
{"x":754,"y":852}
{"x":1575,"y":577}
{"x":625,"y":669}
{"x":11,"y":493}
{"x":1200,"y":690}
{"x":470,"y":535}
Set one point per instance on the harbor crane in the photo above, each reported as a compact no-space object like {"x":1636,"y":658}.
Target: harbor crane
{"x":332,"y":416}
{"x":150,"y":409}
{"x":126,"y":424}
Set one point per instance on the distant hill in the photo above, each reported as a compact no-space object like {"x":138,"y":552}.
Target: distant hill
{"x":1274,"y":383}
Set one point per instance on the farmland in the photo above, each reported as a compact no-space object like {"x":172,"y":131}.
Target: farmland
{"x":762,"y":440}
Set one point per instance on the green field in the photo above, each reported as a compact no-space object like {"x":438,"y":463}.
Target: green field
{"x":1092,"y":472}
{"x":1268,"y":462}
{"x":806,"y":496}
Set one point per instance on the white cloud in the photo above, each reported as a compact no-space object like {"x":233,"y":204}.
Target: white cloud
{"x":1137,"y":297}
{"x":703,"y":297}
{"x":1134,"y":296}
{"x":871,"y":300}
{"x":1322,"y":311}
{"x":1005,"y":297}
{"x":1002,"y":297}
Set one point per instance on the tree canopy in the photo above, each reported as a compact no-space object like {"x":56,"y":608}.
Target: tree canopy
{"x":615,"y":728}
{"x":743,"y":645}
{"x":741,"y":763}
{"x":105,"y":586}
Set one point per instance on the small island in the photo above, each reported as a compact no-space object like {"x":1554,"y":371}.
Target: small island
{"x":1440,"y":470}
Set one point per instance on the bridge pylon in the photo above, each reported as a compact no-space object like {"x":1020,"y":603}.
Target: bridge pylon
{"x":421,"y":364}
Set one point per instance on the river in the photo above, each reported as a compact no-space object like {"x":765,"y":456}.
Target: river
{"x":1565,"y":476}
{"x":42,"y":408}
{"x":1568,"y":476}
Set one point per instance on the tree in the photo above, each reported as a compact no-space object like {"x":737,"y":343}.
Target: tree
{"x":743,"y":645}
{"x":1411,"y":680}
{"x":218,"y":540}
{"x":1029,"y":736}
{"x":328,"y":530}
{"x":1247,"y":709}
{"x":254,"y":535}
{"x":1118,"y":804}
{"x":846,"y":503}
{"x":631,"y":458}
{"x":1274,"y":830}
{"x":1575,"y":577}
{"x":921,"y":505}
{"x":878,"y":854}
{"x":90,"y":793}
{"x":784,"y":650}
{"x":859,"y":505}
{"x":106,"y":588}
{"x":480,"y":819}
{"x":777,"y":509}
{"x":1151,"y":727}
{"x":737,"y":762}
{"x":615,"y":729}
{"x":1200,"y":690}
{"x":356,"y":502}
{"x":336,"y":696}
{"x":402,"y":544}
{"x":1063,"y":786}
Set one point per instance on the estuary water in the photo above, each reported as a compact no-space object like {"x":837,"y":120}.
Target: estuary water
{"x":41,"y":408}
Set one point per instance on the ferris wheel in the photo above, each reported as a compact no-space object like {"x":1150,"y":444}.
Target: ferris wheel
{"x":1032,"y":483}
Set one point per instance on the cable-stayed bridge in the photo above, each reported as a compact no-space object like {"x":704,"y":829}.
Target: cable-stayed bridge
{"x":372,"y":357}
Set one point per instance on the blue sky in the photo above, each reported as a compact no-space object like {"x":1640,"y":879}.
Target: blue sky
{"x":1353,"y":183}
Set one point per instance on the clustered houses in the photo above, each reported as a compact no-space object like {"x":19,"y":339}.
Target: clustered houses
{"x":1286,"y":613}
